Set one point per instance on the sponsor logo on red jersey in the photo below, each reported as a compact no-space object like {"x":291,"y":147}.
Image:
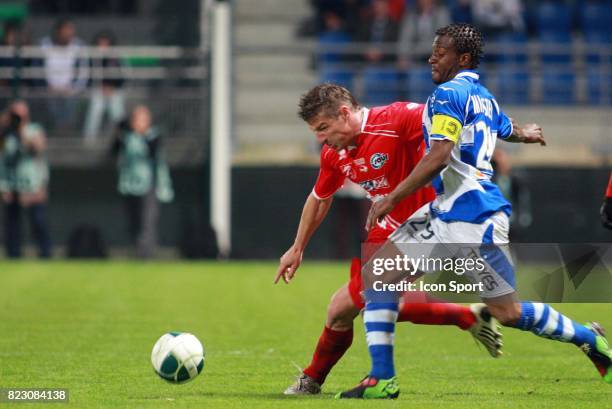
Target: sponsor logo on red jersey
{"x":374,"y":184}
{"x":378,"y":160}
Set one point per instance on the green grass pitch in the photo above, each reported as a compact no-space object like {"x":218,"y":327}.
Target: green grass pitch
{"x":90,"y":327}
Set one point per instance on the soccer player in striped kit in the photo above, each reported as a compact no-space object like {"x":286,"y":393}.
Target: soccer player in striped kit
{"x":461,"y":123}
{"x":375,"y":148}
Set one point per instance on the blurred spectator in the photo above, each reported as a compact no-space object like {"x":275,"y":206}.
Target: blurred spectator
{"x":418,"y":30}
{"x":349,"y":11}
{"x":144,"y":178}
{"x":380,"y":31}
{"x":13,"y":36}
{"x":355,"y":12}
{"x":397,"y":9}
{"x":24,"y":176}
{"x":66,"y":71}
{"x":106,"y":93}
{"x":331,"y":58}
{"x":461,"y":11}
{"x":331,"y":39}
{"x":496,"y":17}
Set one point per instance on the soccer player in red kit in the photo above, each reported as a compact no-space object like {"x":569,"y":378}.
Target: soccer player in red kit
{"x":375,"y":148}
{"x":606,"y":207}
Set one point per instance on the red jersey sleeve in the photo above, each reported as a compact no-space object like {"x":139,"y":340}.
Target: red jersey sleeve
{"x":408,"y":120}
{"x":330,"y":178}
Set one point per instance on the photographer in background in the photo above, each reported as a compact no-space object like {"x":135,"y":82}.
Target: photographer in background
{"x":24,"y":176}
{"x":144,"y":178}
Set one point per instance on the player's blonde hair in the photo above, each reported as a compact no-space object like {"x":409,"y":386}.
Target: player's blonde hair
{"x":325,"y":99}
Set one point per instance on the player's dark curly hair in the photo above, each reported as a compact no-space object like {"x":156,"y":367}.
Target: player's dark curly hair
{"x":466,"y":39}
{"x":325,"y":99}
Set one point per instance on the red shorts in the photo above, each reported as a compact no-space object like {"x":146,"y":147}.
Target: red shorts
{"x":376,"y":236}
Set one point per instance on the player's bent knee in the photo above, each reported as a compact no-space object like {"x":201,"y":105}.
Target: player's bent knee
{"x":341,"y":311}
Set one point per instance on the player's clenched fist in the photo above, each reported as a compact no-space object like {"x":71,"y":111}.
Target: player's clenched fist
{"x":528,"y":133}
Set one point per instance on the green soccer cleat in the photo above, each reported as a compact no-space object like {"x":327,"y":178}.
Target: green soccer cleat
{"x":372,"y":388}
{"x":601,"y":355}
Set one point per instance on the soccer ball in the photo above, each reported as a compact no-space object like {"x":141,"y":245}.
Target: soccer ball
{"x":178,"y":357}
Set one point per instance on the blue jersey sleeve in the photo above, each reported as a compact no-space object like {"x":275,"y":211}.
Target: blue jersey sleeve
{"x":448,"y":106}
{"x":504,"y":129}
{"x":450,"y":99}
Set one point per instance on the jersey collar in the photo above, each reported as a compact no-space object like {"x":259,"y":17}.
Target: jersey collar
{"x":364,"y":120}
{"x":468,"y":74}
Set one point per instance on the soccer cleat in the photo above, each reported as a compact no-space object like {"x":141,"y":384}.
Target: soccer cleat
{"x":304,"y":385}
{"x":486,"y":330}
{"x":601,"y":355}
{"x":372,"y":388}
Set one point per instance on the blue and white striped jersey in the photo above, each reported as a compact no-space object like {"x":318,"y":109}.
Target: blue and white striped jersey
{"x":465,"y":112}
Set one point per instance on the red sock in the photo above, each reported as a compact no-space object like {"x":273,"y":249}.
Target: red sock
{"x":436,"y":313}
{"x":330,"y":348}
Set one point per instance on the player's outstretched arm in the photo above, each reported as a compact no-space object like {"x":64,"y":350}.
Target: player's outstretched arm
{"x":428,"y":168}
{"x":313,"y":214}
{"x":528,"y":133}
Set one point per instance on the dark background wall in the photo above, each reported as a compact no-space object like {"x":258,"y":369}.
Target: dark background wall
{"x":267,"y":201}
{"x":79,"y":196}
{"x":564,"y":207}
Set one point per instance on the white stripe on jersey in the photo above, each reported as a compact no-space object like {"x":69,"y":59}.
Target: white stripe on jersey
{"x":381,"y":134}
{"x":394,"y":223}
{"x":386,"y":123}
{"x":389,"y":131}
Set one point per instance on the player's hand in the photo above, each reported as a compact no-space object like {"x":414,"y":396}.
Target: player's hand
{"x":530,"y":133}
{"x":289,"y":263}
{"x":378,"y":210}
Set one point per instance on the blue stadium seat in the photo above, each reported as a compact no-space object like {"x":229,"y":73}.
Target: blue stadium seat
{"x":337,"y":74}
{"x":512,"y":85}
{"x":381,"y":85}
{"x":558,"y":86}
{"x":461,"y":12}
{"x":330,"y":59}
{"x":554,"y":25}
{"x":597,"y":83}
{"x":553,"y":21}
{"x":330,"y":46}
{"x":419,"y":84}
{"x":594,"y":20}
{"x":513,"y":48}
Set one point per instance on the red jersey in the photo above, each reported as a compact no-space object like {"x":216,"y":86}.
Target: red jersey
{"x":609,"y":190}
{"x":387,"y":149}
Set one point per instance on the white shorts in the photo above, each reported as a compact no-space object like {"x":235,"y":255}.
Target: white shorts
{"x":488,"y":241}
